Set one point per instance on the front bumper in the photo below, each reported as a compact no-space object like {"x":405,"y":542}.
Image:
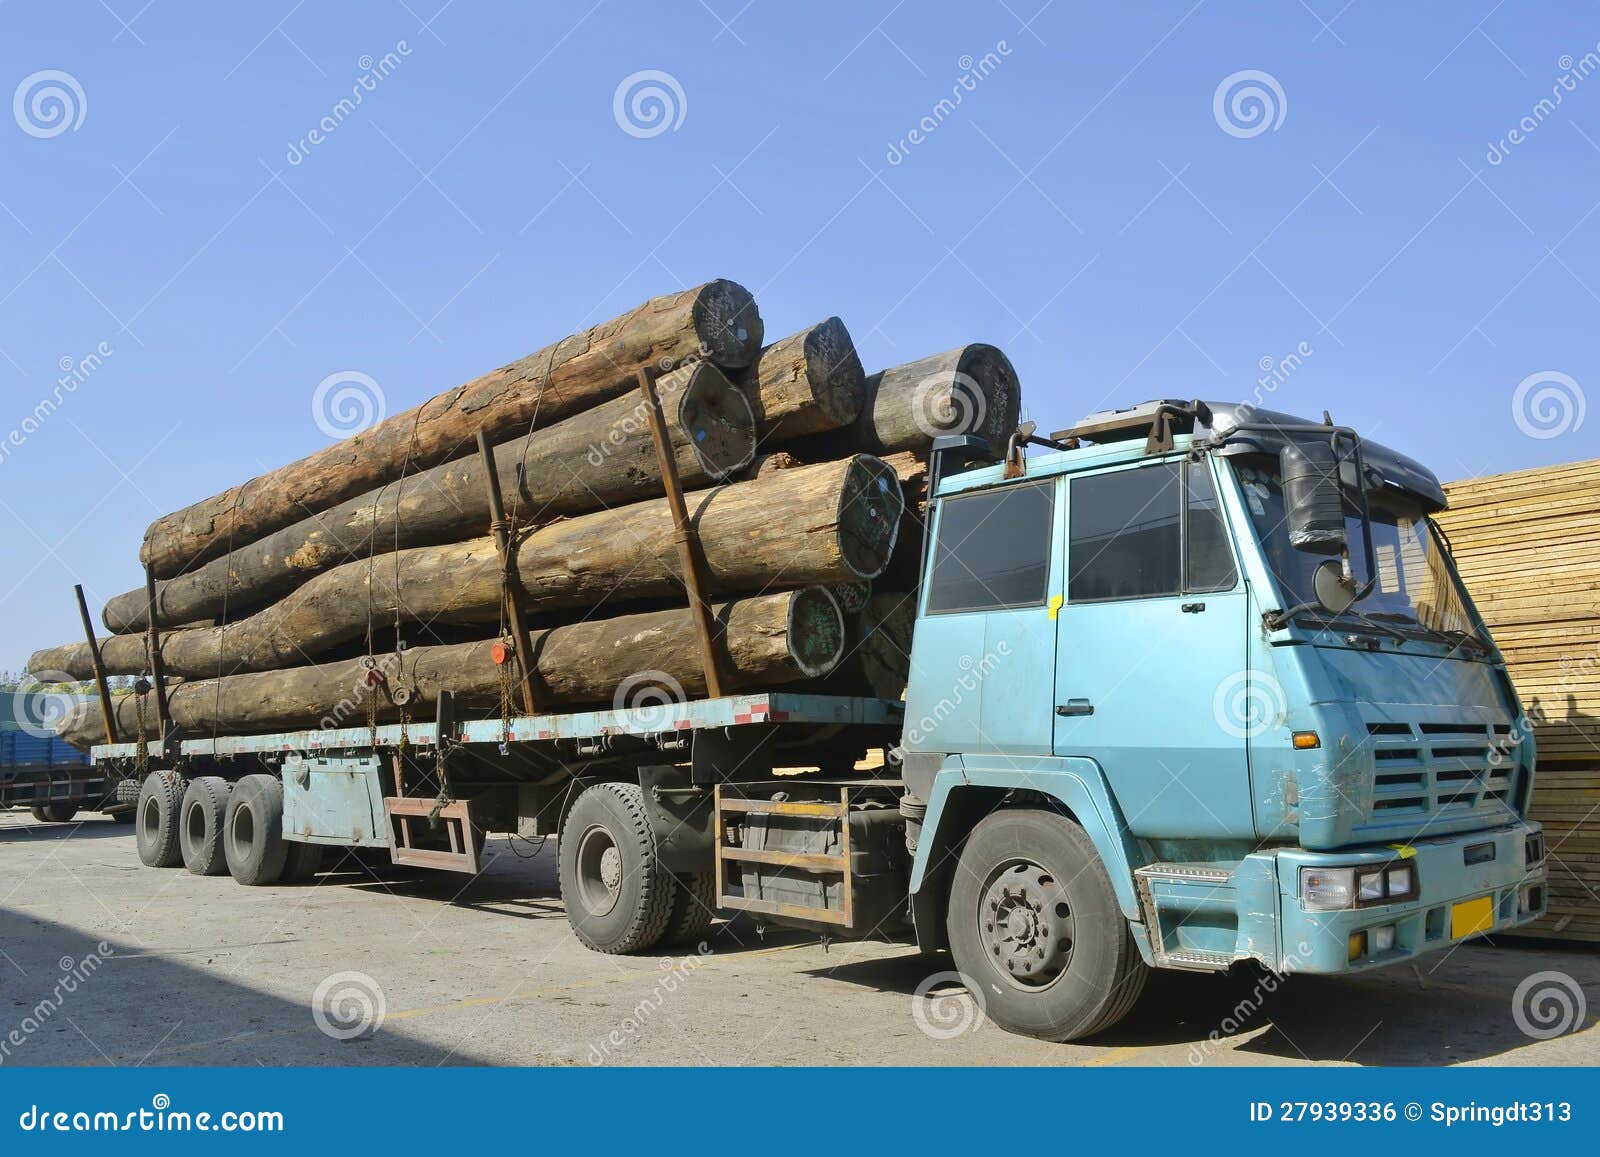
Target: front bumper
{"x":1455,"y":875}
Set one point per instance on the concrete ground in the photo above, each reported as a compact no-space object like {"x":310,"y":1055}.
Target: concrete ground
{"x":103,"y":961}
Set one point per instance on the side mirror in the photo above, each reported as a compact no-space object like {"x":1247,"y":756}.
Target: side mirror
{"x":1334,"y":591}
{"x":1313,"y":499}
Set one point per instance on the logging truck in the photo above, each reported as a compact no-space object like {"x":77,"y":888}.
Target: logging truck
{"x":1191,"y":686}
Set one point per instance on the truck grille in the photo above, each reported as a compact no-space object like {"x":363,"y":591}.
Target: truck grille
{"x":1442,"y":770}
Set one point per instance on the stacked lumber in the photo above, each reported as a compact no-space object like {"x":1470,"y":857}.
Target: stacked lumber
{"x":1528,"y":548}
{"x":376,"y":571}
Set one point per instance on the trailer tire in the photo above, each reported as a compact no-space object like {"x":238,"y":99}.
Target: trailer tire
{"x":54,"y":813}
{"x":253,"y":831}
{"x":157,"y":812}
{"x":1038,"y":934}
{"x":694,"y":903}
{"x":617,"y":896}
{"x":201,"y":820}
{"x":302,"y":862}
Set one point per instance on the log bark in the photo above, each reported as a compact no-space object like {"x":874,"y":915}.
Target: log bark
{"x":877,"y":656}
{"x":809,"y":382}
{"x":602,"y":457}
{"x":717,"y":322}
{"x":829,"y":523}
{"x":972,"y":389}
{"x":768,"y":640}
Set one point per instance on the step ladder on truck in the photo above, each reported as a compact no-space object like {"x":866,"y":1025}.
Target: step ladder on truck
{"x":1193,"y":685}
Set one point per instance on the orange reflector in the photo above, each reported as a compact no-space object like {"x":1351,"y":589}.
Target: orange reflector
{"x":1358,"y":945}
{"x":501,"y":654}
{"x":1304,"y":740}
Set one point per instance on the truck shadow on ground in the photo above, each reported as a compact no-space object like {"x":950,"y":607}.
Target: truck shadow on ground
{"x":1461,"y":1012}
{"x":15,"y":828}
{"x":67,"y":999}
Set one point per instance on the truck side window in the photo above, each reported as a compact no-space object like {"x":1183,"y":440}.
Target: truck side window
{"x":1129,"y":530}
{"x":993,"y":549}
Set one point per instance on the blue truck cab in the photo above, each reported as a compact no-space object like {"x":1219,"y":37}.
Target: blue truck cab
{"x":1196,"y":685}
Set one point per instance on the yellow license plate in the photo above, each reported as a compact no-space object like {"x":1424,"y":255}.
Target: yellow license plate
{"x":1471,"y":917}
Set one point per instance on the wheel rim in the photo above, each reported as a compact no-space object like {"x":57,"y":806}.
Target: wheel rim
{"x":243,"y":832}
{"x":150,"y":818}
{"x":195,"y":823}
{"x":1025,"y":925}
{"x":599,"y":871}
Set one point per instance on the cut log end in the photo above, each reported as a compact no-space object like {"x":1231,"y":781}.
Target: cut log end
{"x":717,"y":418}
{"x":816,"y":631}
{"x":728,"y":324}
{"x":870,"y":507}
{"x":834,"y":368}
{"x":978,"y":395}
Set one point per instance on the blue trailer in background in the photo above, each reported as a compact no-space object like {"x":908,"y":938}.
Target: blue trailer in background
{"x":47,"y":774}
{"x":1196,"y":685}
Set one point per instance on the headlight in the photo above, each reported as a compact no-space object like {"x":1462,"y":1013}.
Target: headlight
{"x":1327,"y":889}
{"x":1370,"y":887}
{"x":1399,"y":882}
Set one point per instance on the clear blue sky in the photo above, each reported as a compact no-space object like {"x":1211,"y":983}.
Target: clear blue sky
{"x":1082,"y":206}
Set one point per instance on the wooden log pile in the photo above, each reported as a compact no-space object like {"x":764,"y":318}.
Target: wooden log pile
{"x":376,"y":572}
{"x":1528,"y":548}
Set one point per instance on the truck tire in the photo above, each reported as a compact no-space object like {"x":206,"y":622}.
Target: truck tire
{"x":618,"y":898}
{"x":156,"y":830}
{"x":694,"y":903}
{"x":205,"y":806}
{"x":54,"y":813}
{"x":1036,"y":931}
{"x":252,"y":833}
{"x":302,"y":862}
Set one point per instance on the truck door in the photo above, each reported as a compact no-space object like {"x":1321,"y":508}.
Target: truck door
{"x":983,"y":655}
{"x":1151,"y":649}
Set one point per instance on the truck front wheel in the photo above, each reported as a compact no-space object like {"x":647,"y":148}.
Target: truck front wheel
{"x":1035,"y":928}
{"x":617,"y":896}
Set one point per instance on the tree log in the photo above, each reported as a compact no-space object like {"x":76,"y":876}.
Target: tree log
{"x":877,"y":656}
{"x":809,"y":382}
{"x":717,"y":321}
{"x":972,"y":389}
{"x":771,"y":639}
{"x":602,"y":457}
{"x":828,"y":523}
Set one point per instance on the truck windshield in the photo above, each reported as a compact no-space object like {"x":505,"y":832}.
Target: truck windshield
{"x":1414,"y":596}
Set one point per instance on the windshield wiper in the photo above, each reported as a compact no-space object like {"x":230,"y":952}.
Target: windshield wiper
{"x":1449,"y":637}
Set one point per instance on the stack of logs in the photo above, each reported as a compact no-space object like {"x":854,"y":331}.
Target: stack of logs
{"x":519,"y":540}
{"x":1528,"y":548}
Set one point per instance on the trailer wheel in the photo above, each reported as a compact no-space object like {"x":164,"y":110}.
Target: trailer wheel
{"x":156,"y":830}
{"x":1035,"y":928}
{"x":205,"y":806}
{"x":301,"y":862}
{"x":618,"y":898}
{"x":252,"y":833}
{"x":54,"y":813}
{"x":694,"y":903}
